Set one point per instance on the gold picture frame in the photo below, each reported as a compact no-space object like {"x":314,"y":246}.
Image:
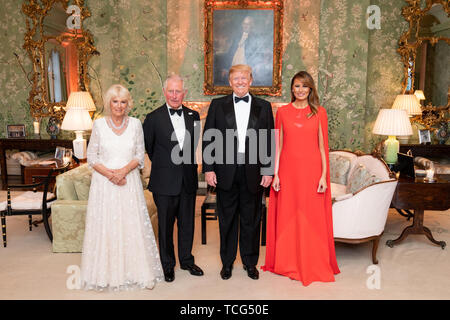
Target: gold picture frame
{"x":255,"y":26}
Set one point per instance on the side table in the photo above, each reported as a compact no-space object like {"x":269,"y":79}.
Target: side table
{"x":419,"y":195}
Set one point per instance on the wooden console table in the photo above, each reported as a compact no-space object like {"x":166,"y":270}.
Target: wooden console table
{"x":419,"y":195}
{"x":24,"y":144}
{"x":435,"y":151}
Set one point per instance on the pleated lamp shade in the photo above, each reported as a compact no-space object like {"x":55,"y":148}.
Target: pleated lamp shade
{"x":419,"y":94}
{"x":392,"y":122}
{"x":81,"y":99}
{"x":408,"y":102}
{"x":77,"y":119}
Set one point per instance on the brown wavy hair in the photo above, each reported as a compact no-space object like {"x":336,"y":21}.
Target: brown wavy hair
{"x":313,"y":97}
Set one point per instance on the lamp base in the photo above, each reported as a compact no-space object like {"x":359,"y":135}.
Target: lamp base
{"x":391,"y":147}
{"x":79,"y":145}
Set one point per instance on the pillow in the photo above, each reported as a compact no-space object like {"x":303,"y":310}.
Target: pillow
{"x":24,"y":156}
{"x":82,"y":184}
{"x":339,"y":166}
{"x":360,"y":178}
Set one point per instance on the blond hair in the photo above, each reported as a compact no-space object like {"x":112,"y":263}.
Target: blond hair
{"x":116,"y":91}
{"x":242,"y":68}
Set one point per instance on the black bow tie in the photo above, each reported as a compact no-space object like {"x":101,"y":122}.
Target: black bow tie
{"x":237,"y":99}
{"x":177,"y":111}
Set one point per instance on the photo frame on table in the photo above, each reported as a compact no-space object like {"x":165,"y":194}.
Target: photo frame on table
{"x":424,"y":136}
{"x":243,"y":32}
{"x":15,"y":131}
{"x":59,"y":153}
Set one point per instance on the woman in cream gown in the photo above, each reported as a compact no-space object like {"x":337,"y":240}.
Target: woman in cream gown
{"x":119,"y":248}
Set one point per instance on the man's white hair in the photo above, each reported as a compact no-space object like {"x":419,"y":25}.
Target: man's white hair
{"x":173,"y":77}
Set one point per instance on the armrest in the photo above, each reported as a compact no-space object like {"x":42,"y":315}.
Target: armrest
{"x":343,"y":197}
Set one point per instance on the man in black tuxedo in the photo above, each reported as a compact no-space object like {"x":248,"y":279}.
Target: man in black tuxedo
{"x":171,"y":135}
{"x":237,"y":169}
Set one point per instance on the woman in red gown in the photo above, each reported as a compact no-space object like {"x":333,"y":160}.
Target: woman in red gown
{"x":300,"y":242}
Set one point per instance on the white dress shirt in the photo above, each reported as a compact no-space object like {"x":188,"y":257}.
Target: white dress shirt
{"x":242,"y":114}
{"x":178,"y":125}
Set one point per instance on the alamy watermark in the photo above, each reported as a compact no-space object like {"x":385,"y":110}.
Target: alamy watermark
{"x":374,"y":280}
{"x":73,"y":282}
{"x":220,"y":148}
{"x":74,"y":20}
{"x":374,"y":19}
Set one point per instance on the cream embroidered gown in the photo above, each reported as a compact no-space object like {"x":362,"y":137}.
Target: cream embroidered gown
{"x":119,"y":248}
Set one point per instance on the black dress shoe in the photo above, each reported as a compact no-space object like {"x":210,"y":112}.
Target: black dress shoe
{"x":169,"y":275}
{"x":226,"y":273}
{"x":252,"y":272}
{"x":193,"y":269}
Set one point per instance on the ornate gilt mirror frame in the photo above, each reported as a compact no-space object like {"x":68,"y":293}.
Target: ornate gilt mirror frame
{"x":35,"y":40}
{"x":225,"y":19}
{"x":409,"y":43}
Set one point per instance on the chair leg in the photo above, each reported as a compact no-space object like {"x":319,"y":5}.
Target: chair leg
{"x":4,"y":229}
{"x":374,"y":250}
{"x":203,"y":217}
{"x":47,"y":224}
{"x":30,"y":222}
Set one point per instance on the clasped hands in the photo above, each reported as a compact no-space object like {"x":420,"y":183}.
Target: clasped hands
{"x":117,"y":176}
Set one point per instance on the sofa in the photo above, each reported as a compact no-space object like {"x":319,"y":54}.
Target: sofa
{"x":69,"y":210}
{"x":362,"y":187}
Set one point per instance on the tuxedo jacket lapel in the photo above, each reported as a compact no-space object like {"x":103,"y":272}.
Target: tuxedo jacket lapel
{"x":168,"y":127}
{"x":189,"y":125}
{"x":228,"y":110}
{"x":255,"y":109}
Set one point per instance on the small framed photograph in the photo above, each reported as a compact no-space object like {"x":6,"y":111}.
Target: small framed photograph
{"x":16,"y":130}
{"x":424,"y":137}
{"x":59,"y":153}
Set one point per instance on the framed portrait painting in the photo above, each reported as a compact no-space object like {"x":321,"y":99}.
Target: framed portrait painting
{"x":243,"y":32}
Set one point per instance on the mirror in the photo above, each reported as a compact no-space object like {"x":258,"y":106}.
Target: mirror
{"x":425,"y":52}
{"x":59,"y":48}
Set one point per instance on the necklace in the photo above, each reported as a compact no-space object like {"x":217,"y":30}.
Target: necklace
{"x":119,"y":127}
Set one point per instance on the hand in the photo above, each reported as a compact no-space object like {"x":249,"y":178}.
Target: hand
{"x":266,"y":181}
{"x":211,"y":178}
{"x":322,"y":185}
{"x":122,"y":182}
{"x":118,"y":176}
{"x":276,"y":183}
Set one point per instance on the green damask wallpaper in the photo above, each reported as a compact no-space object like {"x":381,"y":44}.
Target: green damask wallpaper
{"x":140,"y":42}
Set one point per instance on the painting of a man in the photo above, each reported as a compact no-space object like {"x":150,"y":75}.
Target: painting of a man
{"x":243,"y":37}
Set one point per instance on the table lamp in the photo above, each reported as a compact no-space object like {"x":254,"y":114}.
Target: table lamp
{"x":77,"y":119}
{"x":419,"y":94}
{"x":392,"y":122}
{"x":408,"y":102}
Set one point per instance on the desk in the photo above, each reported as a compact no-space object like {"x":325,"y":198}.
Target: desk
{"x":420,"y":196}
{"x":427,"y":150}
{"x":27,"y":144}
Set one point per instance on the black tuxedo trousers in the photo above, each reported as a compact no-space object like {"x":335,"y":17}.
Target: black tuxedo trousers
{"x":182,"y":209}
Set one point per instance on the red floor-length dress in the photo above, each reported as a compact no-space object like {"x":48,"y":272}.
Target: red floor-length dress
{"x":300,"y":241}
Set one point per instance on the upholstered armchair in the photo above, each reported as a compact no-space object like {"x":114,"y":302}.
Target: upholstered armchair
{"x":69,"y":211}
{"x":362,"y":187}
